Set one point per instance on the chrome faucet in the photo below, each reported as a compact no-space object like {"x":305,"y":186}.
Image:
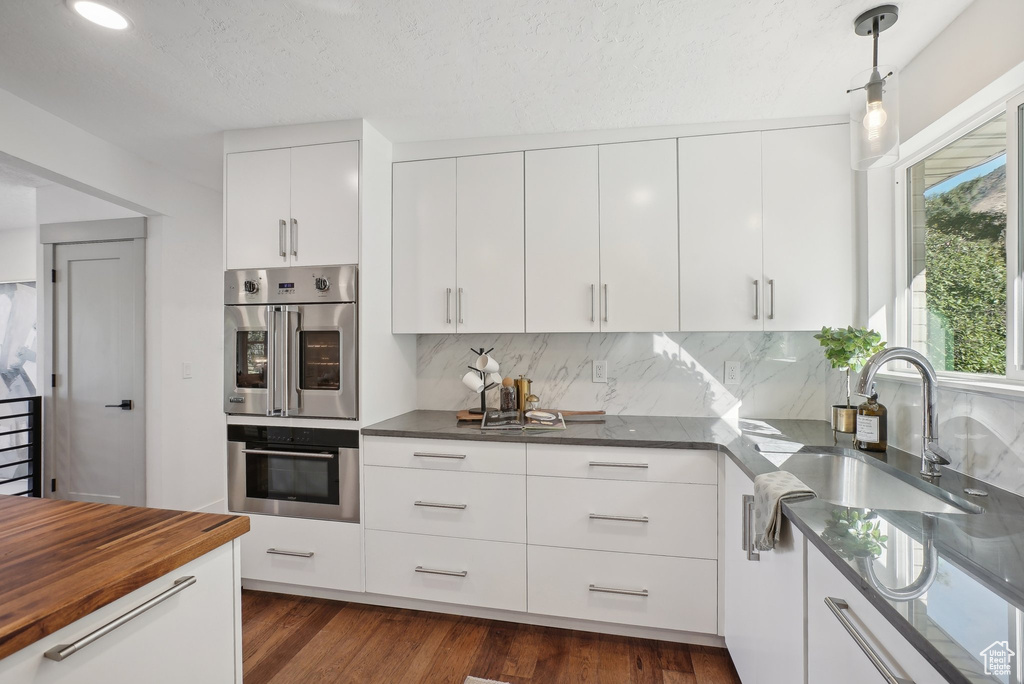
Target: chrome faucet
{"x":931,"y":455}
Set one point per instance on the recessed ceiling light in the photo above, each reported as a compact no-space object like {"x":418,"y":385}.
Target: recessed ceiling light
{"x":100,"y":14}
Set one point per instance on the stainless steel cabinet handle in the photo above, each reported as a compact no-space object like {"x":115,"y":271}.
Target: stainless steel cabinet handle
{"x":449,"y":573}
{"x":606,"y":302}
{"x":282,"y":246}
{"x":427,"y":454}
{"x":771,"y":306}
{"x":448,"y":306}
{"x":62,"y":651}
{"x":757,"y":299}
{"x":612,"y":464}
{"x":272,"y":409}
{"x":593,"y":297}
{"x":433,"y":504}
{"x":294,"y":454}
{"x":285,"y":552}
{"x":295,"y":237}
{"x":624,"y":518}
{"x":458,"y":306}
{"x":837,"y":606}
{"x":613,"y":590}
{"x":748,"y":532}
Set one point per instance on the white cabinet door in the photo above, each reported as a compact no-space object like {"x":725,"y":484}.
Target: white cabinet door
{"x":423,"y":253}
{"x":639,"y":237}
{"x":808,"y":227}
{"x":324,"y":226}
{"x":491,"y":258}
{"x":741,"y":589}
{"x":191,"y":636}
{"x":832,"y":654}
{"x":720,"y":274}
{"x":563,"y":257}
{"x":256,"y":203}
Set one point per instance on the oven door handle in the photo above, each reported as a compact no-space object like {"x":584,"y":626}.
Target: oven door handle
{"x":299,"y":454}
{"x":290,"y":351}
{"x":272,"y":409}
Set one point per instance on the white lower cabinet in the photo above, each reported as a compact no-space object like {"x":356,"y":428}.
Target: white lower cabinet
{"x":833,"y":655}
{"x":464,"y":571}
{"x":624,"y":588}
{"x":192,"y":636}
{"x":309,"y":553}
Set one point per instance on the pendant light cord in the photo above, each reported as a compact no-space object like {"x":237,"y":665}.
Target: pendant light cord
{"x":874,"y":41}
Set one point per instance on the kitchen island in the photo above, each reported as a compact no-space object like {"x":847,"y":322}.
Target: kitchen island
{"x":91,"y":591}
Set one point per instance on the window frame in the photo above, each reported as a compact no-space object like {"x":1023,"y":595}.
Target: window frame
{"x":1013,"y":381}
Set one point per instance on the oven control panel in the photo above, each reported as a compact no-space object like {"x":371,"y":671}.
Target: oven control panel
{"x":296,"y":285}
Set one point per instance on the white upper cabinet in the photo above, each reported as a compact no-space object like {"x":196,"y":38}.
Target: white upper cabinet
{"x":257,"y":198}
{"x":563,"y":259}
{"x":325,"y":204}
{"x":423,"y":230}
{"x":720,"y":273}
{"x":808,"y":228}
{"x":639,"y":237}
{"x":491,"y":259}
{"x":293,"y":206}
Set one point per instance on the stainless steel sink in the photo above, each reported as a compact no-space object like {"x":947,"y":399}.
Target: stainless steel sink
{"x":849,"y":479}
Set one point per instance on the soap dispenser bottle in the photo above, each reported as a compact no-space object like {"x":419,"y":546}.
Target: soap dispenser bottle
{"x":872,"y":431}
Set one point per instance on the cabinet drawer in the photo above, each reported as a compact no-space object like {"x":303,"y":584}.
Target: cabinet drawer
{"x":667,"y":519}
{"x":469,"y":505}
{"x":624,"y":463}
{"x":464,"y":571}
{"x":681,"y":593}
{"x":445,"y":454}
{"x":323,"y":554}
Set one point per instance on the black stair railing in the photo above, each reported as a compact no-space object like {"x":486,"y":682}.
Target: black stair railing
{"x":21,"y":442}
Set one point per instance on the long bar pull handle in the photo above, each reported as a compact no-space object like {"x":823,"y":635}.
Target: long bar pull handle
{"x":613,"y":464}
{"x":771,"y":307}
{"x":623,"y":518}
{"x":837,"y":606}
{"x":433,"y":504}
{"x":293,"y":454}
{"x":606,"y":302}
{"x":458,"y":306}
{"x":286,"y":552}
{"x":295,"y":238}
{"x":748,"y":523}
{"x":593,"y":297}
{"x":448,"y":306}
{"x":613,"y":590}
{"x":427,"y":454}
{"x":448,"y":573}
{"x":62,"y":651}
{"x":282,"y":245}
{"x":757,"y":299}
{"x":272,"y":409}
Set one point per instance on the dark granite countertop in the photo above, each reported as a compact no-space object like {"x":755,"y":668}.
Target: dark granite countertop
{"x":976,"y":593}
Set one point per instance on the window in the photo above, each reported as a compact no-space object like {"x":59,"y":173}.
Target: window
{"x":958,"y":252}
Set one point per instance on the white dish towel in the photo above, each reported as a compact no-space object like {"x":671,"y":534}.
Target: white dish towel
{"x":770,"y":490}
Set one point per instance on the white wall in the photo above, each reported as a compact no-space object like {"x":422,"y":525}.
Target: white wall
{"x":18,"y":254}
{"x":59,"y":204}
{"x":185,"y":441}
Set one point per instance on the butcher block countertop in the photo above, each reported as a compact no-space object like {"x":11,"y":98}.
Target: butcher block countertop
{"x":61,"y":560}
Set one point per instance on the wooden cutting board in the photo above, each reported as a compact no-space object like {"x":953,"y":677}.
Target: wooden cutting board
{"x":466,"y":415}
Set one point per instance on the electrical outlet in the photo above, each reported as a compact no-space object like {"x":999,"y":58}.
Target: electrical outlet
{"x":733,"y":370}
{"x":600,"y":371}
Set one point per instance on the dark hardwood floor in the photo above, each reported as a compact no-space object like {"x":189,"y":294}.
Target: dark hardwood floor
{"x":295,"y":640}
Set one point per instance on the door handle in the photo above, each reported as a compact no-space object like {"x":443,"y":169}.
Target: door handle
{"x":757,"y":299}
{"x":295,"y":238}
{"x":125,"y":405}
{"x":771,"y":301}
{"x":282,"y":249}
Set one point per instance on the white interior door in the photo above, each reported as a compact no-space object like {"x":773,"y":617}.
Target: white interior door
{"x":324,"y":227}
{"x":98,"y":449}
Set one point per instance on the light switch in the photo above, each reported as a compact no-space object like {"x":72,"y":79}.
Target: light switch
{"x":186,"y":370}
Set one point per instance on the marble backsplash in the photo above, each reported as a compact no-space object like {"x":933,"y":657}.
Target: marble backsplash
{"x":783,"y":375}
{"x":983,"y":434}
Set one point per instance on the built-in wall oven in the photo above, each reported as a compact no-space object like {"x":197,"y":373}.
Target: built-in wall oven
{"x":298,"y":472}
{"x":290,"y":342}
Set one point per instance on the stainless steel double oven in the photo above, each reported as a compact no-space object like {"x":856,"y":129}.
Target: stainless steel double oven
{"x":290,"y":342}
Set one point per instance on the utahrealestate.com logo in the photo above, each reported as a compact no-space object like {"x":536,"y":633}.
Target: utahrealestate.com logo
{"x":997,"y":659}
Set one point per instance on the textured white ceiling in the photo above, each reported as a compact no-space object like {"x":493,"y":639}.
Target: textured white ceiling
{"x":433,"y":69}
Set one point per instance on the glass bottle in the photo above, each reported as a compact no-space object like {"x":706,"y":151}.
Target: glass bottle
{"x":872,"y":431}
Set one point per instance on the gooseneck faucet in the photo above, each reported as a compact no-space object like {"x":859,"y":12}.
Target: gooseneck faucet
{"x":931,"y":455}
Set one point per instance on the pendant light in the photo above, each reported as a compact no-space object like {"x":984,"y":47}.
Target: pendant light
{"x":874,"y":99}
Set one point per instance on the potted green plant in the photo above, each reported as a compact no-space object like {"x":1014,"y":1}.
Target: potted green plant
{"x":848,"y":349}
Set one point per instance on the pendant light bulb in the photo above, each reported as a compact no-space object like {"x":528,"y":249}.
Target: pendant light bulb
{"x":874,"y":99}
{"x":875,"y":119}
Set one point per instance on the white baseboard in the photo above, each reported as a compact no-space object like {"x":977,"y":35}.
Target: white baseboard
{"x":490,"y":613}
